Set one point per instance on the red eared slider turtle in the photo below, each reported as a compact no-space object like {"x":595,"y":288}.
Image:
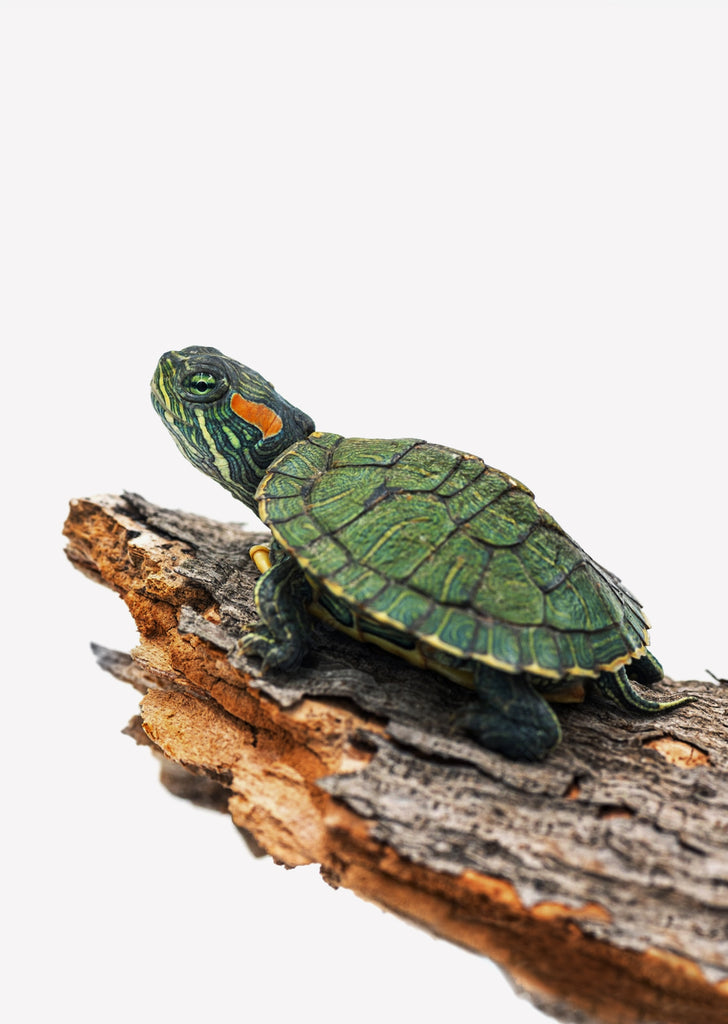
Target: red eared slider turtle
{"x":423,"y":550}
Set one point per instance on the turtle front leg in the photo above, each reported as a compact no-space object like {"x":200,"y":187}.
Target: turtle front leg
{"x":282,"y":595}
{"x":510,"y":716}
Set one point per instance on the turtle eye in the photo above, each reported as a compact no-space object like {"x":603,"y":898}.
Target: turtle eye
{"x":202,"y":385}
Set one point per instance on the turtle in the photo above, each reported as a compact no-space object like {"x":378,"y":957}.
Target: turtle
{"x":426,"y":551}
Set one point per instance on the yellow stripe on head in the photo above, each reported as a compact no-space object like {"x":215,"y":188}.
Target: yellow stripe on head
{"x":221,"y":462}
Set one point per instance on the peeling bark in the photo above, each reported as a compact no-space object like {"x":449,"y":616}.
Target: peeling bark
{"x":597,"y":879}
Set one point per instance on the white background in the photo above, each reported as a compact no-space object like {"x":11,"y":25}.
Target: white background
{"x":502,"y":228}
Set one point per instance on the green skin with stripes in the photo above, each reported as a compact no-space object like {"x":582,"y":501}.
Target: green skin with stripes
{"x":421,"y":549}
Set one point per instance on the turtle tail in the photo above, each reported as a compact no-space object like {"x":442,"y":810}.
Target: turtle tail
{"x":617,"y":688}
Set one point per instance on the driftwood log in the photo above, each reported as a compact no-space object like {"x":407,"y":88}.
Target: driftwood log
{"x":598,"y":880}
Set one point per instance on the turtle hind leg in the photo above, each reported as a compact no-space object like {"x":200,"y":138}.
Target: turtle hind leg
{"x":617,"y":688}
{"x":645,"y":670}
{"x":282,"y":594}
{"x":510,"y":716}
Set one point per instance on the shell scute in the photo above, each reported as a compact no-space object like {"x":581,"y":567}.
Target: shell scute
{"x":614,"y":609}
{"x":401,"y":535}
{"x":457,"y":629}
{"x":453,"y":575}
{"x":576,"y":600}
{"x":353,"y":578}
{"x":548,"y":557}
{"x":506,"y":592}
{"x":503,"y":647}
{"x":284,"y":507}
{"x":327,"y":550}
{"x":540,"y":648}
{"x":583,"y":652}
{"x":401,"y":605}
{"x":280,"y":486}
{"x":301,"y":464}
{"x":339,"y":496}
{"x":467,"y":471}
{"x":300,"y":531}
{"x":446,"y":628}
{"x":609,"y":645}
{"x":634,"y":617}
{"x":507,"y":520}
{"x":476,"y":496}
{"x":359,"y":451}
{"x":422,"y":468}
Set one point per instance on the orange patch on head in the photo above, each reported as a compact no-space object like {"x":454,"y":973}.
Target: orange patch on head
{"x":265,"y":419}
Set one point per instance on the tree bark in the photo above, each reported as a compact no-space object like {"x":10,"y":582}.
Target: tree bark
{"x":598,"y":879}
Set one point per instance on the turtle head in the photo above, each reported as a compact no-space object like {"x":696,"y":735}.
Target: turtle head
{"x":224,"y":417}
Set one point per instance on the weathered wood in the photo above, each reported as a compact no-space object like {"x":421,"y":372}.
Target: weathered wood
{"x":598,"y":879}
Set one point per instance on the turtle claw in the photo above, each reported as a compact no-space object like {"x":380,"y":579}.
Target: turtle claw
{"x":283,"y":655}
{"x":256,"y":643}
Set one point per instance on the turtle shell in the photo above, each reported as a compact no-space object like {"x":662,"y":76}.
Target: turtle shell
{"x":434,"y":544}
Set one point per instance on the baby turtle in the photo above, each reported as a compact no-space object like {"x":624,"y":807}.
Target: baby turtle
{"x":423,"y":550}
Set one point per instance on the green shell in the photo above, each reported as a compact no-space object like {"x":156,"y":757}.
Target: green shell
{"x":437,"y":546}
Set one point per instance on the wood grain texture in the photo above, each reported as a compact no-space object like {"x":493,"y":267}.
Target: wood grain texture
{"x":597,"y":879}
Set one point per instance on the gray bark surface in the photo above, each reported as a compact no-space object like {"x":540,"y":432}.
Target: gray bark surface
{"x":598,"y":879}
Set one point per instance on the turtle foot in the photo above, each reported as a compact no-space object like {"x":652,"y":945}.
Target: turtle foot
{"x":510,"y":717}
{"x":281,"y":654}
